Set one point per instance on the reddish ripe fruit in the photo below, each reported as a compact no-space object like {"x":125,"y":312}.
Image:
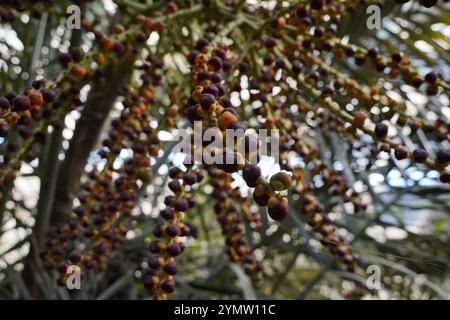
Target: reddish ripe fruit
{"x":360,"y":118}
{"x":80,"y":72}
{"x":226,"y":119}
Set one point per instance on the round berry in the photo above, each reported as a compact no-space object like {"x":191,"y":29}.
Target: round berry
{"x":372,"y":53}
{"x":203,"y":75}
{"x":226,"y":119}
{"x":174,"y":172}
{"x":211,"y":89}
{"x":155,"y":261}
{"x":181,"y":204}
{"x":4,"y":129}
{"x":280,"y":181}
{"x":279,"y":211}
{"x":148,"y":282}
{"x":431,"y":77}
{"x":381,"y":130}
{"x":316,"y":4}
{"x":75,"y":256}
{"x":420,"y":155}
{"x":168,"y":213}
{"x":49,"y":95}
{"x":443,"y":157}
{"x":174,"y":249}
{"x":207,"y":100}
{"x":428,"y":3}
{"x":360,"y":118}
{"x":445,"y":177}
{"x":175,"y":186}
{"x":168,"y":286}
{"x":4,"y":103}
{"x":297,"y":67}
{"x":216,"y":63}
{"x":65,"y":59}
{"x":22,"y":103}
{"x":401,"y":153}
{"x":171,"y":267}
{"x":155,"y":246}
{"x":261,"y":200}
{"x":190,"y":178}
{"x":251,"y":173}
{"x":173,"y":230}
{"x":397,"y":57}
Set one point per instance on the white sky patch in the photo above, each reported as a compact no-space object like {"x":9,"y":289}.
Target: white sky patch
{"x":245,"y":95}
{"x":442,"y":28}
{"x":394,"y":95}
{"x":417,"y":97}
{"x":109,"y":6}
{"x":153,"y":39}
{"x":166,"y":135}
{"x":235,"y":101}
{"x":8,"y":35}
{"x":27,"y":188}
{"x":376,"y":179}
{"x":423,"y":46}
{"x":377,"y":233}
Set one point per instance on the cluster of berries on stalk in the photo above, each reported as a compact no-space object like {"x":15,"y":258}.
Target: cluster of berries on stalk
{"x":159,"y":278}
{"x":105,"y":211}
{"x":291,"y":86}
{"x":208,"y":104}
{"x":230,"y":219}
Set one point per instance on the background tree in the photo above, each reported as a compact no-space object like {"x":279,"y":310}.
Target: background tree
{"x":89,"y":176}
